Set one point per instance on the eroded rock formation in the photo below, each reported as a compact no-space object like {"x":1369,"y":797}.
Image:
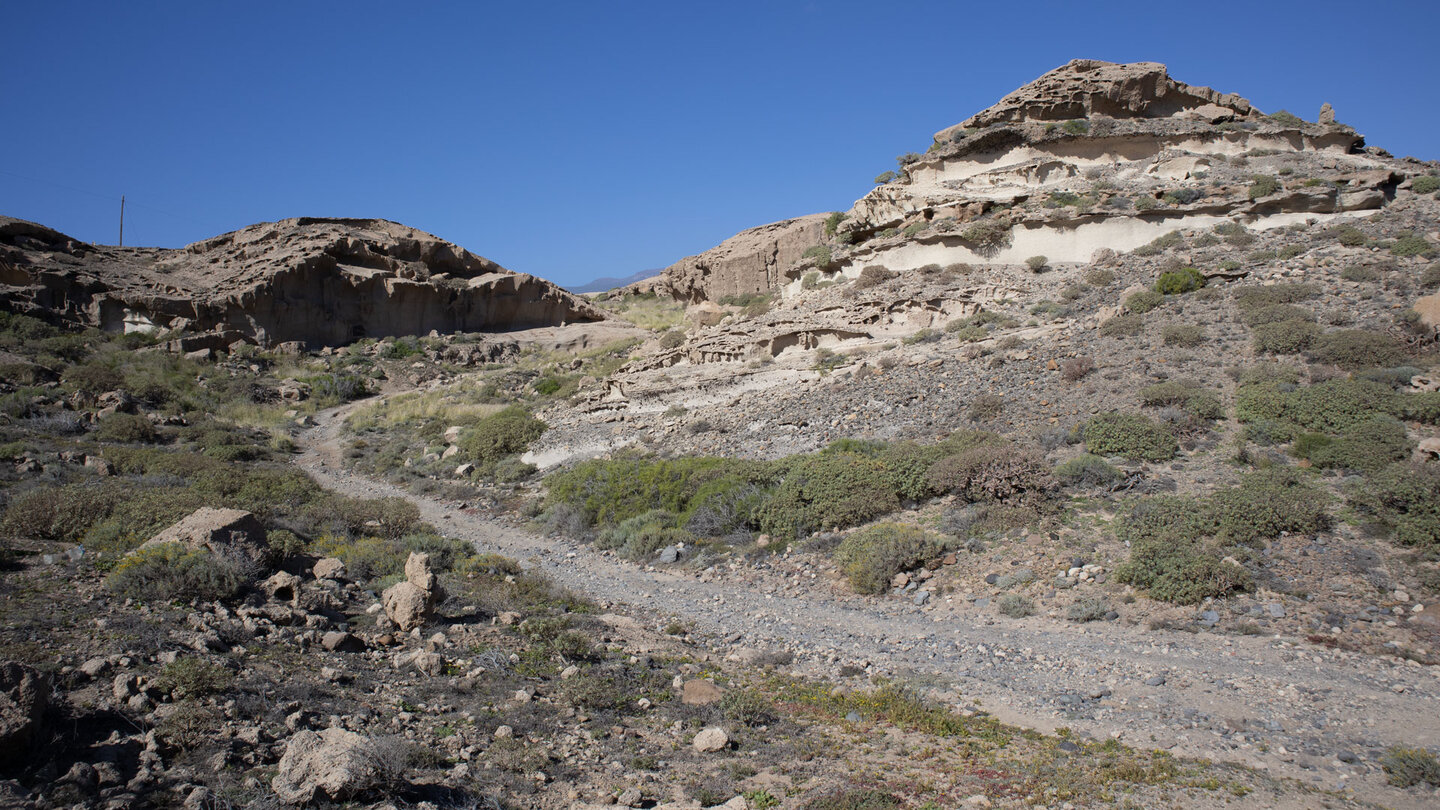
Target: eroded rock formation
{"x":752,"y":261}
{"x":318,"y":282}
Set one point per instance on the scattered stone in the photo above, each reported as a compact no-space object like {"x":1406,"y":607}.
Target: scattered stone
{"x":329,"y":568}
{"x":711,"y":739}
{"x":335,"y":763}
{"x":24,"y":696}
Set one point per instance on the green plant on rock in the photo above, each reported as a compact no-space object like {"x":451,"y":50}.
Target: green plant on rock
{"x":1185,"y":335}
{"x":1404,"y":498}
{"x":1284,"y":337}
{"x":1262,"y":185}
{"x":1411,"y":244}
{"x":1088,"y":470}
{"x":504,"y":433}
{"x":827,"y":490}
{"x":1357,"y":348}
{"x":1143,"y":301}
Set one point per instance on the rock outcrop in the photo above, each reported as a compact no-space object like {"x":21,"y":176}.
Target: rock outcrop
{"x":313,"y":281}
{"x":230,"y":533}
{"x":24,"y":696}
{"x":1090,"y":156}
{"x":333,"y":763}
{"x":752,"y":261}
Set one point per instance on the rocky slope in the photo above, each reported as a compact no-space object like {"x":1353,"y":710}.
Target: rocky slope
{"x":312,"y":281}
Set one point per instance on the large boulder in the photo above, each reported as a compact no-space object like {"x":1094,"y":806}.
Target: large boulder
{"x":333,"y":763}
{"x":226,"y":532}
{"x":409,"y":603}
{"x":24,"y":696}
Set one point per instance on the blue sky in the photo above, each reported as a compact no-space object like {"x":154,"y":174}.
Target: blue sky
{"x":576,"y":140}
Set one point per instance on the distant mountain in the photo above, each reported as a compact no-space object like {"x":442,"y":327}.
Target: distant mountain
{"x":603,"y":284}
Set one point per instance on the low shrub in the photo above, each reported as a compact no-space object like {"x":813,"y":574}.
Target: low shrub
{"x":1131,"y":436}
{"x":1333,"y":406}
{"x":1184,"y":335}
{"x":1405,"y":499}
{"x":1408,"y":767}
{"x":1265,"y":503}
{"x":1274,"y":313}
{"x":1368,"y":445}
{"x":1185,"y":571}
{"x":507,"y":432}
{"x":1253,"y":297}
{"x":996,"y":472}
{"x":1425,"y":184}
{"x":873,"y":276}
{"x":827,"y":490}
{"x":820,"y":255}
{"x":1356,"y":348}
{"x":1284,"y":337}
{"x":1348,"y":235}
{"x":1036,"y":263}
{"x":1127,"y":325}
{"x":1087,"y":609}
{"x":1161,"y":243}
{"x":748,"y":707}
{"x":1411,"y":244}
{"x":1262,"y":185}
{"x":1144,"y":301}
{"x":988,"y":235}
{"x":1015,"y":606}
{"x":1196,"y":401}
{"x":1087,"y":470}
{"x":862,"y":799}
{"x":985,"y":407}
{"x":1099,"y":277}
{"x":1076,"y":368}
{"x":1176,"y":282}
{"x":170,"y":572}
{"x":1360,"y":273}
{"x":640,"y":537}
{"x":193,"y":677}
{"x":871,"y":556}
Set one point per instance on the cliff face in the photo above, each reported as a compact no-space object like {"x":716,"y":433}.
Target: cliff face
{"x":318,"y":282}
{"x":752,"y":261}
{"x":1091,"y":156}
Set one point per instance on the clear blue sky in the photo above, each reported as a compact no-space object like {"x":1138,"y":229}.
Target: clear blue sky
{"x":575,"y":140}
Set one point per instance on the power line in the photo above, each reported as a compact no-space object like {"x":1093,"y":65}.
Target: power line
{"x":111,"y":197}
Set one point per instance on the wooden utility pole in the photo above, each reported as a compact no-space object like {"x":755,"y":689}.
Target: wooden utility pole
{"x":122,"y":220}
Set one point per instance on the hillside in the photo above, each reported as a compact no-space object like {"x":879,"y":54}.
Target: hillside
{"x":1090,"y":459}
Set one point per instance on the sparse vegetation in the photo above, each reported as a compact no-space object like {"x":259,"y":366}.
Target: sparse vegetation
{"x":1131,"y":436}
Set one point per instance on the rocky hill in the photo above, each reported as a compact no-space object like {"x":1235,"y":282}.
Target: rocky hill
{"x":1091,"y":156}
{"x":312,"y":281}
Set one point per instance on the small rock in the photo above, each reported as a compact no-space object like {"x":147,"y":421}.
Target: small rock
{"x":504,"y":733}
{"x":711,"y":739}
{"x":1155,"y":680}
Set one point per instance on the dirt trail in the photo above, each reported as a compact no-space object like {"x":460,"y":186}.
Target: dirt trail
{"x":1296,"y":711}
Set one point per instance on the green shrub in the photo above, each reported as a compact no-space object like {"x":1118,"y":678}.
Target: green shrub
{"x":1015,"y":606}
{"x":58,"y":513}
{"x":507,"y":432}
{"x":1420,"y":407}
{"x":1408,"y":767}
{"x":1076,"y":126}
{"x":820,"y":255}
{"x":608,"y":491}
{"x":1284,"y":337}
{"x":639,"y":537}
{"x":1263,"y":186}
{"x":1330,"y":407}
{"x":1087,"y":470}
{"x":1404,"y":498}
{"x":1036,"y":263}
{"x":871,"y":556}
{"x":862,"y":799}
{"x":748,"y":707}
{"x":1274,"y":313}
{"x":1356,"y":349}
{"x":1182,"y":570}
{"x":1411,"y":244}
{"x":1185,"y":335}
{"x":1369,"y":445}
{"x":988,"y":235}
{"x":170,"y":572}
{"x":1348,"y":235}
{"x":1266,"y":503}
{"x":1144,"y":203}
{"x":1425,"y":184}
{"x":1099,"y":277}
{"x":996,"y":472}
{"x":1130,"y":436}
{"x":827,"y":490}
{"x":1186,"y":394}
{"x":1176,"y":282}
{"x":129,"y":428}
{"x":1127,"y":325}
{"x":1255,"y":297}
{"x":833,"y":221}
{"x":885,"y":177}
{"x":1143,"y":301}
{"x":1183,"y":196}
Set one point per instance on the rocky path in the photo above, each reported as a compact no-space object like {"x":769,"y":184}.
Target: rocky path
{"x":1318,"y":715}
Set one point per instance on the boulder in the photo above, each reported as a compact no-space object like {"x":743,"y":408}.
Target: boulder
{"x":24,"y":696}
{"x":283,"y":586}
{"x":332,"y":763}
{"x":225,"y":532}
{"x":329,"y":568}
{"x":406,"y":604}
{"x":711,"y":739}
{"x":418,"y":573}
{"x":700,"y":693}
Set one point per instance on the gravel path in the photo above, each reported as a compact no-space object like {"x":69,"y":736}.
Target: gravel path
{"x":1318,"y":715}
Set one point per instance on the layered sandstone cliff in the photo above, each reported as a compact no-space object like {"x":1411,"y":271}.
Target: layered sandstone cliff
{"x":313,"y":281}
